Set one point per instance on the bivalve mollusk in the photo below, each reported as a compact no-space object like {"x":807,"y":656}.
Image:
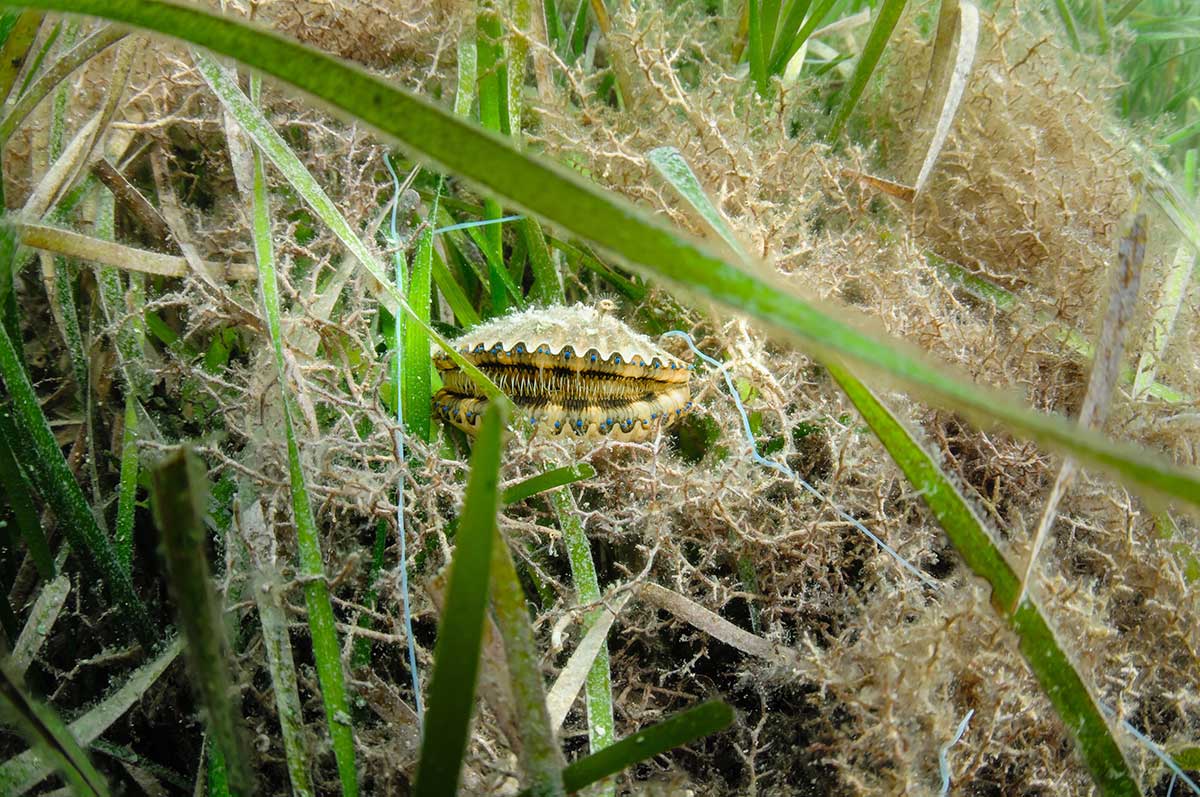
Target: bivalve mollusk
{"x":571,"y":370}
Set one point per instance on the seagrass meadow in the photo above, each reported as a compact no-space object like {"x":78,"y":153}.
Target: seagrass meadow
{"x":681,"y":397}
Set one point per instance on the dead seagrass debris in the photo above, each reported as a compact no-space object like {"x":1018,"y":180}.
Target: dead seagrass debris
{"x":573,"y":369}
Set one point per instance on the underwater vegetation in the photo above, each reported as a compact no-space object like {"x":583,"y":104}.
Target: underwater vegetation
{"x":599,"y":397}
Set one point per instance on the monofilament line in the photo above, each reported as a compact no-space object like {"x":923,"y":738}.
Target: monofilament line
{"x":783,"y":468}
{"x":944,"y":752}
{"x":1161,"y":754}
{"x":398,"y":350}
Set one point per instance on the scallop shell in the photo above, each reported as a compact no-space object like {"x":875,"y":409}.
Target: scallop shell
{"x":574,"y":370}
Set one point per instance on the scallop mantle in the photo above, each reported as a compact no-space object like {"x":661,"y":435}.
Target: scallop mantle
{"x":574,"y":370}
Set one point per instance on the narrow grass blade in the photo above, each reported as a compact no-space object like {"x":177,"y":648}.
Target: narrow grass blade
{"x":18,"y":492}
{"x":1068,"y":21}
{"x":21,"y":30}
{"x":601,"y":727}
{"x":58,"y":71}
{"x":129,"y":343}
{"x":718,"y":627}
{"x":216,"y":776}
{"x":133,"y":201}
{"x":1170,"y":299}
{"x":468,"y":70}
{"x":541,"y":760}
{"x":128,"y":484}
{"x":576,"y":672}
{"x":953,"y":512}
{"x":54,"y":480}
{"x":24,"y":771}
{"x":1106,"y":371}
{"x":1062,"y":684}
{"x":937,"y":81}
{"x":586,"y":211}
{"x":125,"y":755}
{"x":58,"y":276}
{"x":1124,"y":11}
{"x":546,"y":286}
{"x":956,"y":84}
{"x":676,"y":171}
{"x":769,"y":17}
{"x":39,"y":624}
{"x":791,"y":19}
{"x":493,"y":115}
{"x":556,"y":31}
{"x":271,"y":144}
{"x":1103,"y":31}
{"x":549,"y":480}
{"x":686,"y":726}
{"x":520,"y":17}
{"x":503,"y":288}
{"x":1006,"y":301}
{"x":54,"y":186}
{"x":58,"y":111}
{"x":623,"y":285}
{"x":180,"y":497}
{"x":579,"y":32}
{"x":321,"y":623}
{"x":797,"y":41}
{"x":453,"y":293}
{"x":417,"y":390}
{"x":128,"y":258}
{"x":269,"y":591}
{"x":885,"y":22}
{"x":403,"y":365}
{"x":35,"y":68}
{"x":460,"y":635}
{"x":492,"y":68}
{"x":50,"y":737}
{"x":758,"y":47}
{"x":360,"y":656}
{"x":1073,"y":702}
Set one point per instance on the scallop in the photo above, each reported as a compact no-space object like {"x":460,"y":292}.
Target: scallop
{"x":571,"y":370}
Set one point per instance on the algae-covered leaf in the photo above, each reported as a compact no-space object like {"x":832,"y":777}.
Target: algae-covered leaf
{"x":686,"y":726}
{"x":460,"y":636}
{"x":550,"y":480}
{"x":49,"y":736}
{"x":1050,"y":664}
{"x":24,"y":771}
